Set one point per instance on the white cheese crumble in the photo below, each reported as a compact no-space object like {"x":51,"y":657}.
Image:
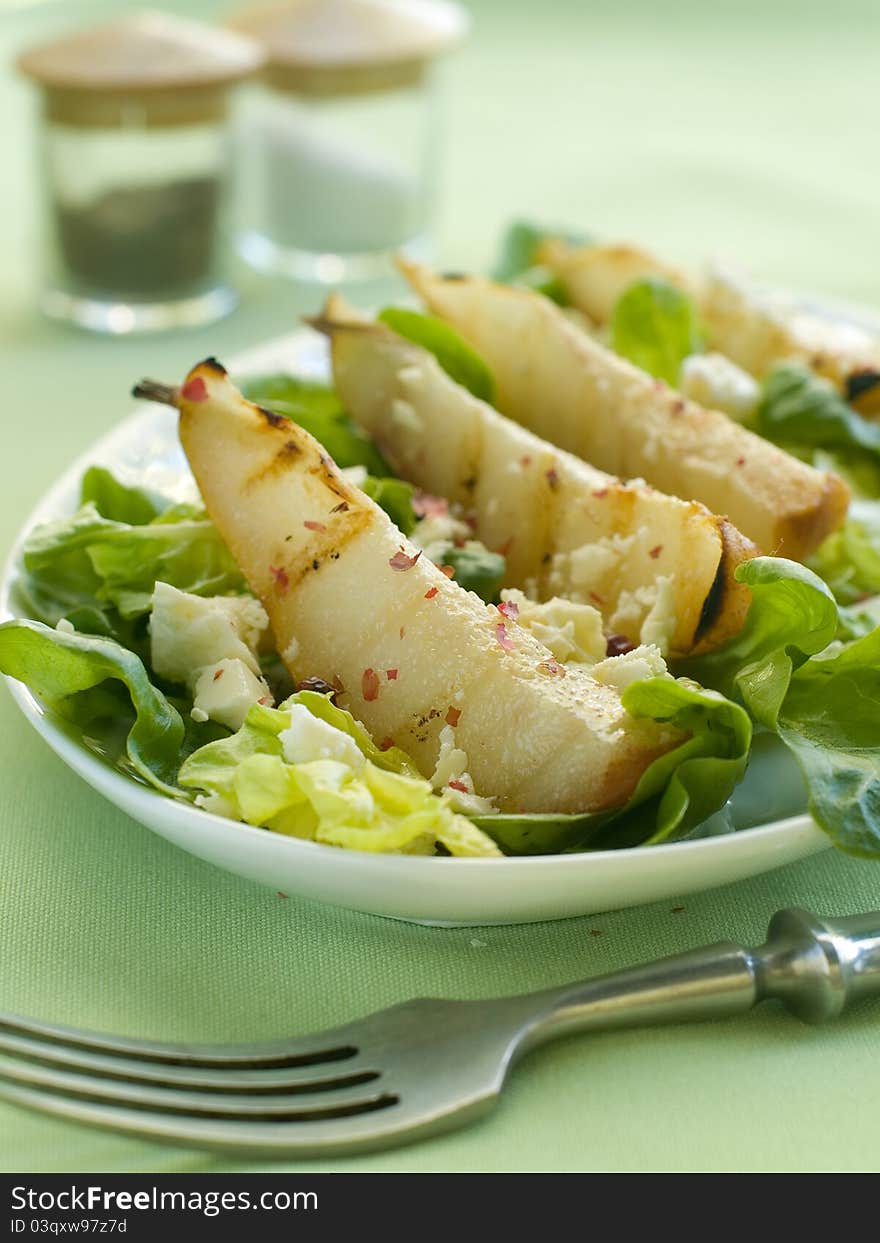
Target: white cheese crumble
{"x":225,"y":692}
{"x":648,"y":611}
{"x":621,"y":671}
{"x":63,"y":626}
{"x":189,"y":632}
{"x":572,"y":632}
{"x":435,"y":532}
{"x":452,"y":765}
{"x":210,"y":645}
{"x":309,"y":738}
{"x":658,"y":627}
{"x":716,"y":382}
{"x":591,"y":562}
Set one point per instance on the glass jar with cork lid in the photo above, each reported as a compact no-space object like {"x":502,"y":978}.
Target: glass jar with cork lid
{"x":135,"y":164}
{"x":339,"y":147}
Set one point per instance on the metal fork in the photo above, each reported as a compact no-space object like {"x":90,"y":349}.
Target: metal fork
{"x":421,"y":1067}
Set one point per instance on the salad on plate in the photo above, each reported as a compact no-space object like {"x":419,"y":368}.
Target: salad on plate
{"x":534,"y":574}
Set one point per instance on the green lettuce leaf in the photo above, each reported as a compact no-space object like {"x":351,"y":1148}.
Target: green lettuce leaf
{"x":88,"y":561}
{"x":459,"y":360}
{"x":474,"y":567}
{"x":395,"y":496}
{"x":383,"y":805}
{"x":819,"y":695}
{"x":655,"y":326}
{"x":81,"y":677}
{"x":849,"y":560}
{"x":118,"y":501}
{"x":798,"y":408}
{"x":676,"y":793}
{"x":316,"y":408}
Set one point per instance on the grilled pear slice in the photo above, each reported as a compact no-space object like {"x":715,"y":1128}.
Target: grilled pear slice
{"x":351,"y":602}
{"x":566,"y":528}
{"x":758,"y":331}
{"x":594,"y":277}
{"x":559,"y":382}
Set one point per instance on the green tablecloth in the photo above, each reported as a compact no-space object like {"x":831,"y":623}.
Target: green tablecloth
{"x":744,"y":128}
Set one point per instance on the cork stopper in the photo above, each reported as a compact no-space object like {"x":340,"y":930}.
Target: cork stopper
{"x":148,"y":68}
{"x":328,"y":47}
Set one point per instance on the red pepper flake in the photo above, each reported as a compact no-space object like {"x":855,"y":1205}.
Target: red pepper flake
{"x":265,"y":699}
{"x":508,"y":609}
{"x":424,"y":504}
{"x":218,"y":673}
{"x":552,"y":476}
{"x":600,"y":494}
{"x":504,"y":549}
{"x":455,"y":784}
{"x":282,"y":581}
{"x":740,"y":461}
{"x":597,"y":599}
{"x":448,"y":570}
{"x":429,"y":595}
{"x":655,"y":552}
{"x":370,"y":685}
{"x":504,"y":638}
{"x":618,"y":645}
{"x":677,"y":407}
{"x":391,"y":674}
{"x":402,"y":631}
{"x":340,"y":508}
{"x":525,"y":461}
{"x":386,"y":744}
{"x":314,"y":526}
{"x":195,"y":389}
{"x":552,"y":667}
{"x":453,"y":716}
{"x":402,"y":561}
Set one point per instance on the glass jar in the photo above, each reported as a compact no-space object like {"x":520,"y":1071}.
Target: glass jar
{"x":136,"y":176}
{"x":338,"y":148}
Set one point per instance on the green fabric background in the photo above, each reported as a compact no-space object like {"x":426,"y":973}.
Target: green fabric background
{"x":743,"y":128}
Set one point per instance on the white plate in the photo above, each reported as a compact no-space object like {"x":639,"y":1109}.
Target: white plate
{"x":434,"y":890}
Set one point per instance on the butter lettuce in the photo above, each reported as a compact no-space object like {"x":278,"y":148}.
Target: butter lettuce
{"x":676,"y":793}
{"x":799,"y":409}
{"x":395,"y":496}
{"x":90,"y":560}
{"x":379,"y":806}
{"x":820,"y":696}
{"x":101,"y":687}
{"x":459,"y":360}
{"x":655,"y":326}
{"x":849,"y":560}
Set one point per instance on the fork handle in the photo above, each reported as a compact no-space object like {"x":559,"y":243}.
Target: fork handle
{"x":813,"y":966}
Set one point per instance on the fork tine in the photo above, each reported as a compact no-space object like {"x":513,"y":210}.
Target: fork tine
{"x":328,"y":1137}
{"x":178,"y":1102}
{"x":80,"y":1059}
{"x":329,"y":1046}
